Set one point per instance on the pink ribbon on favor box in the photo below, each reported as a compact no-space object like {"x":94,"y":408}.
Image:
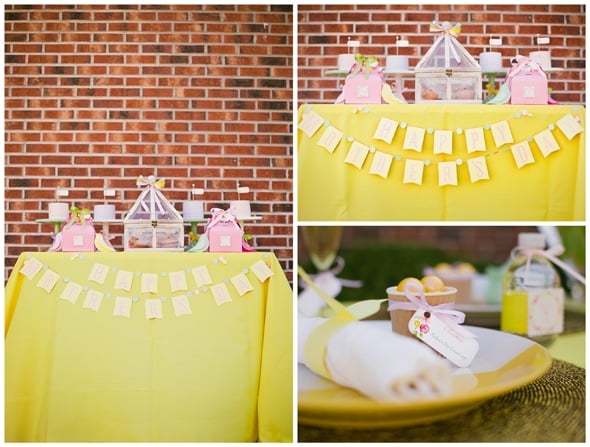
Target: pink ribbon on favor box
{"x":219,"y":215}
{"x":551,"y":254}
{"x":445,"y":312}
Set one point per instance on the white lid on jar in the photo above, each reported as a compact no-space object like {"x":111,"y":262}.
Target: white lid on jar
{"x":531,"y":240}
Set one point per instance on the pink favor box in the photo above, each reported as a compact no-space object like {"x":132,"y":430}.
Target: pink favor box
{"x":360,"y":89}
{"x":78,"y":237}
{"x":529,"y":88}
{"x":225,"y":237}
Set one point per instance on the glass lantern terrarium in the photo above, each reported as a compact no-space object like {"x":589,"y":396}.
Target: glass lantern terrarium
{"x":152,"y":223}
{"x":447,"y":72}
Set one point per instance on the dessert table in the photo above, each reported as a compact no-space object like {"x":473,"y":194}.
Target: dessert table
{"x":459,"y":162}
{"x":148,"y":346}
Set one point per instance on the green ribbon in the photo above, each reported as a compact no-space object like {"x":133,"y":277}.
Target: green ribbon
{"x":78,"y":216}
{"x":365,"y":63}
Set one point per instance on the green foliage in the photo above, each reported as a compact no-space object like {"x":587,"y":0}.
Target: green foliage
{"x":382,"y":266}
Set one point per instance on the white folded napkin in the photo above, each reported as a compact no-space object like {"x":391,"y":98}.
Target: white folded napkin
{"x":379,"y":363}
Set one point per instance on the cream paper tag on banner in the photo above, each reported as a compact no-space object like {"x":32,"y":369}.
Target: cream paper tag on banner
{"x":522,"y":154}
{"x":122,"y":307}
{"x":386,"y":130}
{"x":357,"y":154}
{"x":475,"y":140}
{"x":569,"y":126}
{"x":444,"y":339}
{"x":221,"y":294}
{"x":443,"y":141}
{"x":330,"y":138}
{"x":478,"y":169}
{"x":124,"y":280}
{"x":414,"y":138}
{"x":546,"y":142}
{"x":201,"y":276}
{"x":181,"y":305}
{"x":381,"y":164}
{"x":242,"y":284}
{"x":149,"y":283}
{"x":93,"y":300}
{"x":310,"y":123}
{"x":98,"y":273}
{"x":153,"y":309}
{"x":48,"y":280}
{"x":71,"y":292}
{"x":261,"y":270}
{"x":413,"y":171}
{"x":501,"y":133}
{"x":177,"y":281}
{"x":31,"y":267}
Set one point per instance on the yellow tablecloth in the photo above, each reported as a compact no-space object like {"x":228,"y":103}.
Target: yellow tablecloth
{"x":77,"y":372}
{"x":332,"y":189}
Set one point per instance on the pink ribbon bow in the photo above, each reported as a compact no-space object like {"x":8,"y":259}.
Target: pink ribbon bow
{"x":219,"y":215}
{"x":445,"y":312}
{"x":448,"y":29}
{"x":551,"y":254}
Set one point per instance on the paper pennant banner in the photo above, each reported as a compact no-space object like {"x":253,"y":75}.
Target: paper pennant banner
{"x":122,"y":307}
{"x":330,"y":138}
{"x":501,"y":133}
{"x":310,"y":123}
{"x":413,"y":171}
{"x":261,"y":270}
{"x":220,"y":293}
{"x":242,"y":284}
{"x":522,"y":154}
{"x":386,"y":130}
{"x":99,"y":273}
{"x":48,"y":280}
{"x":201,"y":276}
{"x":447,"y":173}
{"x":181,"y":305}
{"x":93,"y":300}
{"x":153,"y":309}
{"x":414,"y":138}
{"x":546,"y":142}
{"x":475,"y":140}
{"x":31,"y":267}
{"x":478,"y":169}
{"x":569,"y":126}
{"x":443,"y":142}
{"x":381,"y":164}
{"x":71,"y":292}
{"x":357,"y":154}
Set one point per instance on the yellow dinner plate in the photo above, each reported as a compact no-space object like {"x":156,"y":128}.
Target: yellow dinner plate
{"x":503,"y":363}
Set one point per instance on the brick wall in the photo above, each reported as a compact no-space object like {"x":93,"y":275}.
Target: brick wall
{"x":324,"y":30}
{"x":198,"y":95}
